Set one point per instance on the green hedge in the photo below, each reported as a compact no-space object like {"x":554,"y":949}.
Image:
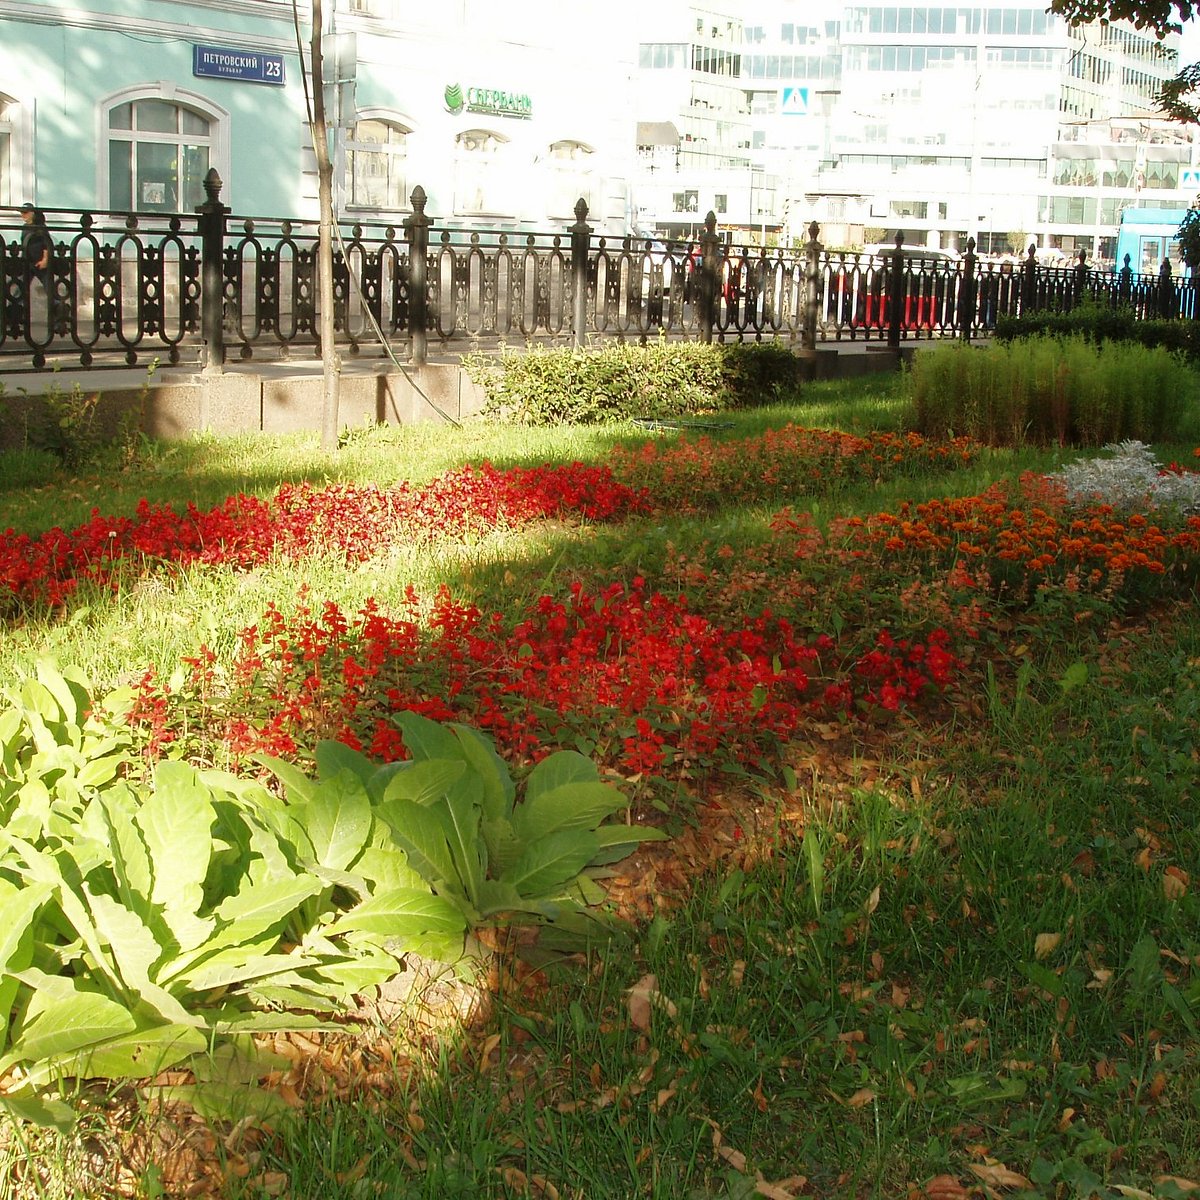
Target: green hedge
{"x":1098,"y":324}
{"x":1045,"y":390}
{"x":618,"y":381}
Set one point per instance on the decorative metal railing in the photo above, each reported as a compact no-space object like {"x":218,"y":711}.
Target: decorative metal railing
{"x":126,"y":288}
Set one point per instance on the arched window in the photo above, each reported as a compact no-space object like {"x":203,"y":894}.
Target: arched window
{"x":570,"y":169}
{"x":161,"y":144}
{"x":6,"y":151}
{"x":376,"y":149}
{"x":481,"y":184}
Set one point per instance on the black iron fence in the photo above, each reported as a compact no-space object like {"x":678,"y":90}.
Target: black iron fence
{"x":128,"y":288}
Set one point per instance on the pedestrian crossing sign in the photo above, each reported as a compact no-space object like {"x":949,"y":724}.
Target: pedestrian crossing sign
{"x":794,"y":102}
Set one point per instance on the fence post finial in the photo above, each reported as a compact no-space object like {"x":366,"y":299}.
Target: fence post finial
{"x":895,"y":292}
{"x":710,"y":273}
{"x":416,"y":230}
{"x":210,"y":224}
{"x":968,"y":301}
{"x":812,"y":276}
{"x":581,"y":246}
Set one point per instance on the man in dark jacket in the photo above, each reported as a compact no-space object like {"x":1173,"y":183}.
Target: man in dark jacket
{"x":36,"y":248}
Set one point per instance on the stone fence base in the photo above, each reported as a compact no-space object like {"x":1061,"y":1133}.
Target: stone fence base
{"x":287,"y":397}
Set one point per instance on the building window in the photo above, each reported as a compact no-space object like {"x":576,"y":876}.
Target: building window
{"x":570,"y":168}
{"x":481,"y":184}
{"x":375,"y":161}
{"x":6,"y":151}
{"x":159,"y":151}
{"x":686,"y":202}
{"x":721,"y":202}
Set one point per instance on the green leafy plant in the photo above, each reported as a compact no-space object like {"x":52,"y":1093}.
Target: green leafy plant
{"x":618,"y":382}
{"x":1046,"y":389}
{"x":145,"y":925}
{"x":453,"y":808}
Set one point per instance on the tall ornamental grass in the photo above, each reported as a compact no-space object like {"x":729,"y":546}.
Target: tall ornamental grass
{"x":1046,"y":390}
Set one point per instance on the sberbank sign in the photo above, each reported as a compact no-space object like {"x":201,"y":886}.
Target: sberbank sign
{"x":492,"y":101}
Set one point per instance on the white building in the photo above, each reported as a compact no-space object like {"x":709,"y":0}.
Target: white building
{"x":999,"y":123}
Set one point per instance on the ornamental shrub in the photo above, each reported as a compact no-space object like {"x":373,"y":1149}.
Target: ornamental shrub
{"x":1101,"y":325}
{"x":1046,"y":390}
{"x":620,"y":381}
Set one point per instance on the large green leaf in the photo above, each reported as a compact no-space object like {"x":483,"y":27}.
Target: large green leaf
{"x":227,"y":1102}
{"x":235,"y":966}
{"x":296,"y":784}
{"x":503,"y":845}
{"x":269,"y":862}
{"x":499,"y":791}
{"x":133,"y":944}
{"x":333,"y":756}
{"x":337,"y":818}
{"x":558,"y":769}
{"x":19,"y":908}
{"x":137,"y":1055}
{"x":61,"y":872}
{"x":27,"y":1105}
{"x":68,"y":687}
{"x":61,"y":1020}
{"x":176,"y":819}
{"x":401,"y":913}
{"x":424,"y":738}
{"x":567,"y":806}
{"x":425,"y":781}
{"x":368,"y":967}
{"x":386,"y":867}
{"x":112,"y":817}
{"x":620,"y":841}
{"x":256,"y":911}
{"x":551,"y":861}
{"x":499,"y":896}
{"x":422,"y":836}
{"x":459,"y":813}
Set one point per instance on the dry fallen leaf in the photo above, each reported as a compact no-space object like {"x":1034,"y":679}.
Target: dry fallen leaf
{"x":644,"y":996}
{"x":943,"y":1187}
{"x":872,"y":902}
{"x":485,"y":1051}
{"x":861,"y":1097}
{"x":735,"y":1158}
{"x":271,"y":1183}
{"x":1175,"y":883}
{"x":1184,"y":1185}
{"x":996,"y":1174}
{"x":639,"y":1002}
{"x":784,"y":1189}
{"x":1045,"y":944}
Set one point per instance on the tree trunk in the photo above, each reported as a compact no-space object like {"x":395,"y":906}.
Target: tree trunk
{"x":330,"y":360}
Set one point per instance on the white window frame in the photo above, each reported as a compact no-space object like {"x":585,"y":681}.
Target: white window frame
{"x":219,"y":131}
{"x":574,"y":177}
{"x":495,"y":202}
{"x":346,"y":143}
{"x":17,"y":123}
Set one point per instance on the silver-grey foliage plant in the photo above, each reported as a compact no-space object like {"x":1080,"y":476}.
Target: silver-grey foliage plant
{"x":1131,"y":480}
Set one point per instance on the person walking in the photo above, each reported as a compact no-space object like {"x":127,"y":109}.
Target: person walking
{"x":36,"y":249}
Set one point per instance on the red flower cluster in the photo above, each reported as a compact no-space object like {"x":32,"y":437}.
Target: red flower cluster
{"x":346,"y":519}
{"x":782,"y":462}
{"x":664,"y":686}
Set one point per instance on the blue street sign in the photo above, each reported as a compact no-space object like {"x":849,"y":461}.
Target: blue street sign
{"x":245,"y":66}
{"x":793,"y":102}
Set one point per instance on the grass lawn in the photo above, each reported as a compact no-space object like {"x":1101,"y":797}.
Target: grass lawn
{"x":925,"y":923}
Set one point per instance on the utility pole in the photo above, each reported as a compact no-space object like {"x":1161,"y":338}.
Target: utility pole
{"x":330,"y":359}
